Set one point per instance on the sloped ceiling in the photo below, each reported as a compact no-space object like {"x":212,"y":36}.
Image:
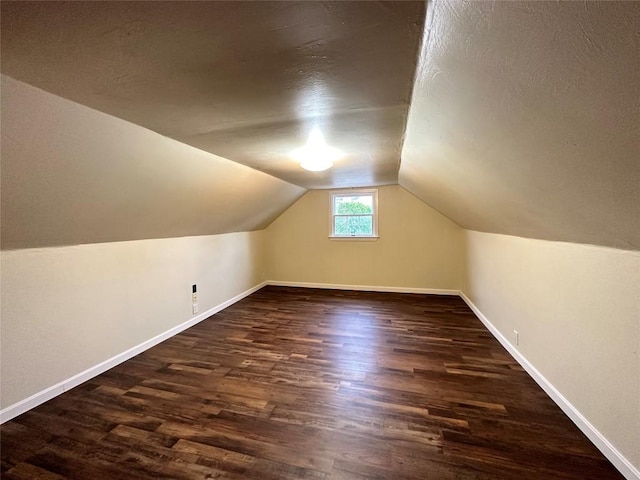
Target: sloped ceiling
{"x":73,"y":175}
{"x":525,"y":119}
{"x":243,"y":80}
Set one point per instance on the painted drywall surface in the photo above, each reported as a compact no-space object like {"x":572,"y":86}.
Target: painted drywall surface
{"x":525,"y":119}
{"x":67,"y":309}
{"x":577,"y":309}
{"x":72,"y":175}
{"x":417,"y":247}
{"x":244,"y":80}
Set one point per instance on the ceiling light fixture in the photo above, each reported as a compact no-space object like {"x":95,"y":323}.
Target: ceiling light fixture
{"x":316,"y":155}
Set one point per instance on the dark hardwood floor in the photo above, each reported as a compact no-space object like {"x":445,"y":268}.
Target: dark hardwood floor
{"x":310,"y":384}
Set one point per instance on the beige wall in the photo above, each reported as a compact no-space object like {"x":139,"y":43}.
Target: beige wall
{"x":577,"y":309}
{"x":417,"y":247}
{"x":75,"y":176}
{"x":67,"y":309}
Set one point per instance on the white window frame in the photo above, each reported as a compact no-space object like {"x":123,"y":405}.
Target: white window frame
{"x":350,"y":192}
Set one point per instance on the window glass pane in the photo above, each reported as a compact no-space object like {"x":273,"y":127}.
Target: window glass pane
{"x":364,"y":225}
{"x":356,"y":225}
{"x":353,"y":204}
{"x":340,"y":226}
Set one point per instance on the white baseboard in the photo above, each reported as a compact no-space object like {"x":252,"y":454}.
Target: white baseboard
{"x":364,"y":288}
{"x":615,"y":457}
{"x":39,"y":398}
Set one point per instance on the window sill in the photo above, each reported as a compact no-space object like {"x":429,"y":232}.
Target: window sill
{"x":355,"y":239}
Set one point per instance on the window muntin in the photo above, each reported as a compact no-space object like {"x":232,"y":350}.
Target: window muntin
{"x":354,"y":214}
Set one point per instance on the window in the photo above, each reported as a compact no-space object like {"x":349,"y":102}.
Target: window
{"x":354,"y":214}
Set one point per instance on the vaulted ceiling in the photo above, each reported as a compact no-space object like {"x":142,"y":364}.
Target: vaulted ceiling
{"x":519,"y":118}
{"x":243,"y":80}
{"x":525,"y":119}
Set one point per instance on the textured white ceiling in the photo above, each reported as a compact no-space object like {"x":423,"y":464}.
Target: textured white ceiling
{"x":72,"y":175}
{"x":525,"y":119}
{"x":243,"y":80}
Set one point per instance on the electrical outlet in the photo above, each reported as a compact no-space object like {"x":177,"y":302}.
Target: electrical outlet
{"x":516,"y":337}
{"x":194,"y":308}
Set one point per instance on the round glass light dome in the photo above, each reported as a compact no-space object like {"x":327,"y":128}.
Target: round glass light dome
{"x":316,"y":155}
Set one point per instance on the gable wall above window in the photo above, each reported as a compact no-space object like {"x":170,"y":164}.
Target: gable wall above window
{"x":417,"y":246}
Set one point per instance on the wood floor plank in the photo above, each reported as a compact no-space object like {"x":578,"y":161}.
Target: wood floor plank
{"x":294,"y":383}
